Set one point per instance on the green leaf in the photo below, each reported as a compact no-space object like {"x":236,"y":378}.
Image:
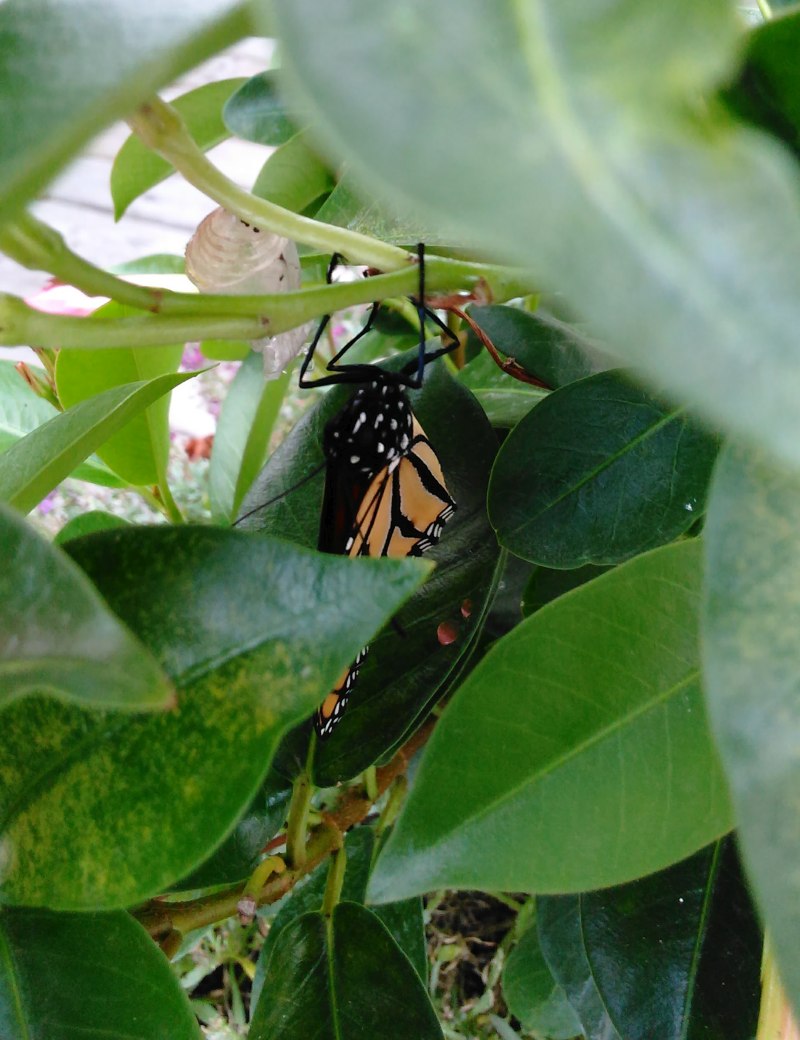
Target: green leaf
{"x":546,"y":585}
{"x":70,"y":67}
{"x":242,"y":437}
{"x":309,"y":896}
{"x":241,"y":852}
{"x":579,"y":742}
{"x":561,"y":942}
{"x":588,"y":158}
{"x":88,"y":523}
{"x":33,"y":466}
{"x":293,"y":176}
{"x":751,"y":618}
{"x":136,"y":169}
{"x":352,"y":206}
{"x":139,"y":452}
{"x":403,"y":674}
{"x":225,"y":349}
{"x":533,"y":995}
{"x":58,"y":636}
{"x":103,"y":811}
{"x":767,"y":88}
{"x":675,"y":954}
{"x":76,"y":976}
{"x":155,"y":263}
{"x":22,"y":411}
{"x":544,"y":346}
{"x":599,"y":472}
{"x":403,"y":920}
{"x":504,"y":399}
{"x":256,"y":112}
{"x":342,"y":979}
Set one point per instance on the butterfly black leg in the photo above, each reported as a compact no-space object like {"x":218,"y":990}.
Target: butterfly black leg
{"x":303,"y":382}
{"x":424,"y":312}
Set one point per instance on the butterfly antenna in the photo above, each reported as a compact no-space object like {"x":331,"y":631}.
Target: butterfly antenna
{"x":283,"y":494}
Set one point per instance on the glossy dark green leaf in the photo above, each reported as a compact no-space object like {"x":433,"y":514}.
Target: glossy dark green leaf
{"x":343,"y":979}
{"x":36,"y":464}
{"x":83,"y":976}
{"x":58,"y":636}
{"x":293,"y":176}
{"x":585,"y":156}
{"x":689,"y":945}
{"x":559,"y":928}
{"x":256,"y":112}
{"x":241,"y":852}
{"x":579,"y":744}
{"x":599,"y":472}
{"x":674,"y":955}
{"x":546,"y":585}
{"x":767,"y":89}
{"x":403,"y":674}
{"x":405,"y":923}
{"x":70,"y":67}
{"x":403,"y":920}
{"x":533,"y":995}
{"x":504,"y":399}
{"x":105,"y":810}
{"x":308,"y":896}
{"x":542,"y":345}
{"x":750,"y":657}
{"x":22,"y":410}
{"x":136,"y":168}
{"x":88,"y":523}
{"x":242,"y":436}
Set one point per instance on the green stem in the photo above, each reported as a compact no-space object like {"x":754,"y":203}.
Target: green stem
{"x":214,"y":317}
{"x":765,"y":9}
{"x":163,"y":130}
{"x":333,"y":886}
{"x":297,"y":823}
{"x":171,"y":509}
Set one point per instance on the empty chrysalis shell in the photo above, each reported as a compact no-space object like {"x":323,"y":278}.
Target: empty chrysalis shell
{"x":226,"y":255}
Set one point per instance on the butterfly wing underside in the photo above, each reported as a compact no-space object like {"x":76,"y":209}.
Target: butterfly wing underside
{"x":399,"y":510}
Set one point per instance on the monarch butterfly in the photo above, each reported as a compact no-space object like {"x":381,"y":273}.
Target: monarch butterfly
{"x":385,"y":493}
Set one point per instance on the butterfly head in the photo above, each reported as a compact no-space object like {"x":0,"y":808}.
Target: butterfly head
{"x":374,"y":428}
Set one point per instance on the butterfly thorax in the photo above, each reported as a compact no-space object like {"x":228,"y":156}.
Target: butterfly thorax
{"x":374,"y":428}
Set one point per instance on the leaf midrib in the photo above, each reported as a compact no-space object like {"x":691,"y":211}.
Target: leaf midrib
{"x":607,"y":462}
{"x":554,"y":764}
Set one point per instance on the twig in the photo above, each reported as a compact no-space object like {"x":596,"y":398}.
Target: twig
{"x":161,"y":918}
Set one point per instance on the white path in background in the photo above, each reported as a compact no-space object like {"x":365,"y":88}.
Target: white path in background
{"x":78,"y":204}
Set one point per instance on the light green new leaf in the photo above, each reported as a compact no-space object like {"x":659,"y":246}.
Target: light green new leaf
{"x":136,"y":169}
{"x":70,"y":67}
{"x":139,"y":452}
{"x":35,"y":465}
{"x":242,"y":437}
{"x":587,"y":152}
{"x":21,"y":411}
{"x":293,"y":176}
{"x":58,"y":636}
{"x":76,"y":976}
{"x":100,"y":811}
{"x":752,"y":670}
{"x":577,"y":753}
